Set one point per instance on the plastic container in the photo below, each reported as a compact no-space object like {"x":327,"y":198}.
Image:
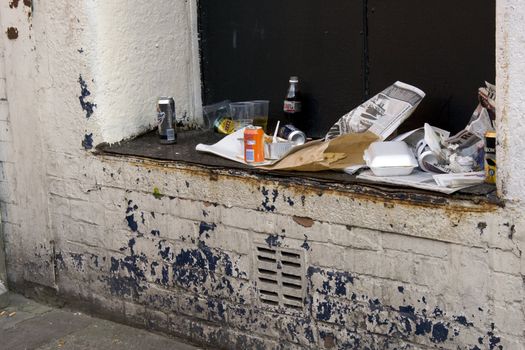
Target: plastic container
{"x":242,"y":114}
{"x":277,"y":150}
{"x":390,"y":158}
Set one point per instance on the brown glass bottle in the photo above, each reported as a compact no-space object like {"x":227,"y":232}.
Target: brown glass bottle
{"x":293,"y":104}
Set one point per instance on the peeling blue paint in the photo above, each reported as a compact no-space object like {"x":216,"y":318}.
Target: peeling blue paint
{"x":132,"y":224}
{"x":462,"y":320}
{"x":439,"y":333}
{"x":130,"y":217}
{"x":273,"y":241}
{"x":204,"y":227}
{"x":134,"y":282}
{"x":87,"y":106}
{"x":423,"y":327}
{"x":165,"y":275}
{"x":324,"y":311}
{"x":87,"y":142}
{"x":305,"y":244}
{"x":77,"y":260}
{"x":493,"y":340}
{"x":266,"y":202}
{"x":165,"y":251}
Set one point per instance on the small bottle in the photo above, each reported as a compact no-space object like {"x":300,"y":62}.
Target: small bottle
{"x":293,"y":103}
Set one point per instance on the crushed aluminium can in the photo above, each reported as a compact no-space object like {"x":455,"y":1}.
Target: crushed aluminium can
{"x":490,"y":157}
{"x":292,"y":134}
{"x":224,"y":125}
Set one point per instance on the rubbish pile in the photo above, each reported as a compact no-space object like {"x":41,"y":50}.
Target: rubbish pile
{"x":427,"y":157}
{"x":448,"y":163}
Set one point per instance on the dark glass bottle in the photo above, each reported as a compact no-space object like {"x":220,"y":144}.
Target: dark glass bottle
{"x":293,"y":104}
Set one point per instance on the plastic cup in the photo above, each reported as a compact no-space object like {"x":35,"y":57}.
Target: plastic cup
{"x":242,"y":114}
{"x":260,"y":117}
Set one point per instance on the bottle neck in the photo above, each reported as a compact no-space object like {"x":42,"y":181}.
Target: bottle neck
{"x":293,"y":89}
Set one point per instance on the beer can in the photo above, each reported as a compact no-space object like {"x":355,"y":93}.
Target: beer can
{"x":292,"y":134}
{"x":490,"y":157}
{"x":166,"y":120}
{"x":253,"y":144}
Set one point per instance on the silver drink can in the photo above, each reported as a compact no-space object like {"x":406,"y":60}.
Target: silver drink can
{"x":292,"y":134}
{"x":166,"y":120}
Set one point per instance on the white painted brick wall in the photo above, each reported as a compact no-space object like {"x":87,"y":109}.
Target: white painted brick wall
{"x":457,"y":280}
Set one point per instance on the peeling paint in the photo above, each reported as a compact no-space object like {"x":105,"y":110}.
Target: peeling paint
{"x":482,"y":226}
{"x":205,"y":227}
{"x":267,"y":202}
{"x":12,"y":33}
{"x":303,"y":221}
{"x":87,"y":106}
{"x":87,"y":142}
{"x":273,"y":241}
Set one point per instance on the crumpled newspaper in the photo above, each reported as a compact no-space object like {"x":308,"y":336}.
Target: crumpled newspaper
{"x":438,"y":152}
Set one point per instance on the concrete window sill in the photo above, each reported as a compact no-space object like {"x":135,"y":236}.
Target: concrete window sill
{"x":183,"y":153}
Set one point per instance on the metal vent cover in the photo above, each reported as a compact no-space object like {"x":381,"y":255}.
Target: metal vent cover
{"x":280,"y":274}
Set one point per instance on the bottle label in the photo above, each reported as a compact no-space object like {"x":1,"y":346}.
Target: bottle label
{"x":292,"y":106}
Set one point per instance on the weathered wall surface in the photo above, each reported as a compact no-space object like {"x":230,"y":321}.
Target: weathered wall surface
{"x":171,"y":247}
{"x":4,"y":118}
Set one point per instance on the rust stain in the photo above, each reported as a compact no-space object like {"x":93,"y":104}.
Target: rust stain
{"x":303,"y":221}
{"x":361,"y":192}
{"x":27,"y":3}
{"x":13,"y":4}
{"x":12,"y":33}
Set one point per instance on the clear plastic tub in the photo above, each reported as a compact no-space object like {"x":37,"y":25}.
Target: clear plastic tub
{"x":390,"y":158}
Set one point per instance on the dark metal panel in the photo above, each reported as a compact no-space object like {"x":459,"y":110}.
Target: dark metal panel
{"x":250,"y":48}
{"x":446,"y":48}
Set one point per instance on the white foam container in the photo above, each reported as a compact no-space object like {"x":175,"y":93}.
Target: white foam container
{"x":277,"y":150}
{"x":390,"y":158}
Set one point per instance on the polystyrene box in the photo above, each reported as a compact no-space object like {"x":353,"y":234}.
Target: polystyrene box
{"x":390,"y":158}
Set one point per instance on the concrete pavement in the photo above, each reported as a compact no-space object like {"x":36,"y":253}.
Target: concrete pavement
{"x":26,"y":325}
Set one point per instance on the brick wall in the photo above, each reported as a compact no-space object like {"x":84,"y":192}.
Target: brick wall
{"x":175,"y":252}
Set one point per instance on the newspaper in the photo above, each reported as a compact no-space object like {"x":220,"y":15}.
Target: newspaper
{"x":382,"y":114}
{"x":422,"y":180}
{"x":459,"y":179}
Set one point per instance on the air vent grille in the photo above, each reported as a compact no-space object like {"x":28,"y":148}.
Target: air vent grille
{"x":280,"y":277}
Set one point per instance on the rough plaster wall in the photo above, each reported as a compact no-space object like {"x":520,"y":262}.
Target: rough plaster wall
{"x":142,"y":51}
{"x":510,"y":56}
{"x":380,"y":273}
{"x":4,"y":167}
{"x":24,"y":217}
